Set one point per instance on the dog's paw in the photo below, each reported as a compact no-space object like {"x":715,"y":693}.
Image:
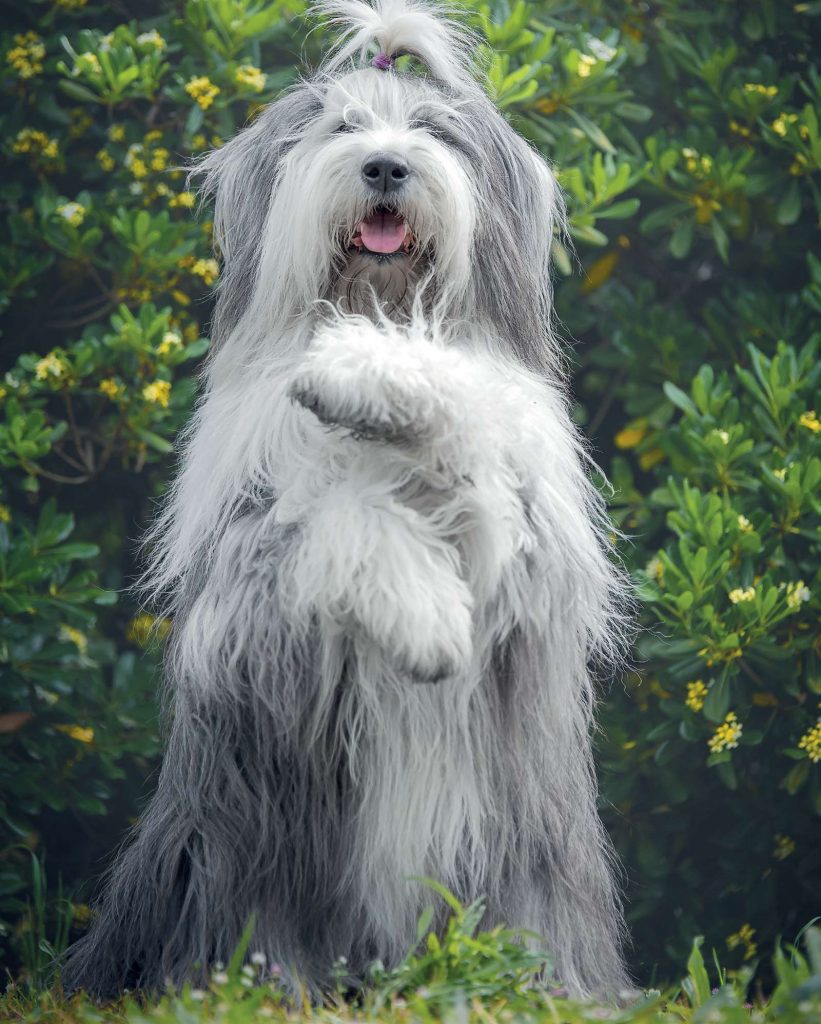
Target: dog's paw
{"x":426,"y":634}
{"x":374,"y":382}
{"x":336,"y":406}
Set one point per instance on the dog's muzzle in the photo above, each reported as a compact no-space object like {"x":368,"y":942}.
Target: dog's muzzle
{"x":383,"y":265}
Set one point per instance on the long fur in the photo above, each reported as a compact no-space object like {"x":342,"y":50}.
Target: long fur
{"x":387,"y":568}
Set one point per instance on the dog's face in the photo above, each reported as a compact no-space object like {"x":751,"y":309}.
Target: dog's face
{"x":378,"y":193}
{"x":370,"y":186}
{"x":388,"y":172}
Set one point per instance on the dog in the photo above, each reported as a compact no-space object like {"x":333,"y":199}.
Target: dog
{"x":388,"y":570}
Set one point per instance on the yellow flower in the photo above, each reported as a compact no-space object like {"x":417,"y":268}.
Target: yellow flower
{"x":745,"y":525}
{"x":740,"y":129}
{"x":50,"y":366}
{"x":37,"y":143}
{"x":782,"y":122}
{"x":89,"y":62}
{"x":797,"y":593}
{"x":251,"y":77}
{"x":739,"y":595}
{"x":105,"y":160}
{"x":184,"y":199}
{"x":763,"y":90}
{"x":5,"y":514}
{"x":144,"y":627}
{"x":696,"y":694}
{"x":134,"y":160}
{"x":743,"y":937}
{"x":784,"y":847}
{"x":208,"y":270}
{"x":586,"y":63}
{"x":158,"y":393}
{"x":655,"y":569}
{"x":74,"y":213}
{"x":727,"y":735}
{"x":199,"y":141}
{"x":202,"y":90}
{"x":116,"y":132}
{"x":110,"y":388}
{"x":75,"y":636}
{"x":170,"y":340}
{"x":780,"y":473}
{"x":159,"y":159}
{"x":26,"y":56}
{"x":152,"y":38}
{"x":810,"y":421}
{"x":811,"y":742}
{"x":705,"y":208}
{"x":77,"y":732}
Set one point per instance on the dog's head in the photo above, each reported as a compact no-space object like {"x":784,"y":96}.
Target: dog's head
{"x":365,"y":181}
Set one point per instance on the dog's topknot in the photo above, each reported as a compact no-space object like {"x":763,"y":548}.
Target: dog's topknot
{"x":386,"y":29}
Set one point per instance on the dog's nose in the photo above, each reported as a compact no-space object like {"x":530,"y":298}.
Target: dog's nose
{"x":385,"y":173}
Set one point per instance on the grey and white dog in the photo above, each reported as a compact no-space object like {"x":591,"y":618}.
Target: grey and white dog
{"x":388,"y":569}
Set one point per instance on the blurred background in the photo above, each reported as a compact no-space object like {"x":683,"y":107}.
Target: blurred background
{"x":686,"y":138}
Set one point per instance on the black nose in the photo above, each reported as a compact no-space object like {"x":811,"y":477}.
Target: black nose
{"x":385,"y":173}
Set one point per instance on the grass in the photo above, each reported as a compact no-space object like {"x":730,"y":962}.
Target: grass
{"x":466,"y":977}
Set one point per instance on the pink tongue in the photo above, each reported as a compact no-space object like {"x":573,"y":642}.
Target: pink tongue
{"x":383,"y":232}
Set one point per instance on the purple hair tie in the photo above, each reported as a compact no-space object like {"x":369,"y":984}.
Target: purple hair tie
{"x":383,"y":61}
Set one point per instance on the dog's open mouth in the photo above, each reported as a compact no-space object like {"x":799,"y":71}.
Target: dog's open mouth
{"x":384,"y":232}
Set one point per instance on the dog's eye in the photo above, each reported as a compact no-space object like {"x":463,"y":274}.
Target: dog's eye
{"x":344,"y":126}
{"x":431,"y":127}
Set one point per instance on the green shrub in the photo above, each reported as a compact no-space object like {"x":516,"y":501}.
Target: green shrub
{"x":686,"y":138}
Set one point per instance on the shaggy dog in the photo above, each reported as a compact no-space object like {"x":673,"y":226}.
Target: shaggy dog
{"x":387,"y":568}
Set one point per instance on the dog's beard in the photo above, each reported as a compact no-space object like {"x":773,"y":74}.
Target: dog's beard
{"x":382,"y":267}
{"x":371,"y":281}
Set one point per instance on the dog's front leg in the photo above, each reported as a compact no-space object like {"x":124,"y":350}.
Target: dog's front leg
{"x":369,"y":566}
{"x":379,"y":382}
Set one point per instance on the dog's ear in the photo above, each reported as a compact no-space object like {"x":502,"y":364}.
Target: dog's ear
{"x":520,"y":210}
{"x":394,"y":28}
{"x":241,"y":177}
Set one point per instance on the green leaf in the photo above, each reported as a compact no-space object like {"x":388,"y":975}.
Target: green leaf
{"x":682,"y":239}
{"x":159,"y":444}
{"x":717,"y":701}
{"x":679,"y":398}
{"x":789,"y":208}
{"x":697,"y":982}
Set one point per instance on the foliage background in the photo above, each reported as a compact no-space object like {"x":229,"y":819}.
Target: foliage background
{"x":686,"y":137}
